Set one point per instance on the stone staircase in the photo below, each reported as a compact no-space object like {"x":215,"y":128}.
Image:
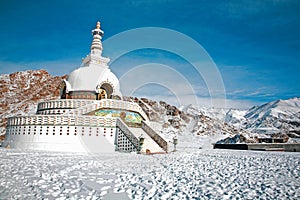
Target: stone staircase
{"x":152,"y":143}
{"x":149,"y":145}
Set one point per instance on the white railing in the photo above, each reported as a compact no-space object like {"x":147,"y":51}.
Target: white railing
{"x":108,"y":103}
{"x":63,"y":103}
{"x":59,"y":120}
{"x":79,"y":107}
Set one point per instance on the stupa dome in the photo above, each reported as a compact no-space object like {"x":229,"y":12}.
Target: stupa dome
{"x":89,"y":78}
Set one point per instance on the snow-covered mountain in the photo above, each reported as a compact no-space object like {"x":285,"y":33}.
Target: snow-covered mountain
{"x":279,"y":119}
{"x":21,"y":91}
{"x":236,"y":118}
{"x":276,"y":117}
{"x":280,"y":115}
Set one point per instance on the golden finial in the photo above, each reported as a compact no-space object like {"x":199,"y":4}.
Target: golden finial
{"x":98,"y":25}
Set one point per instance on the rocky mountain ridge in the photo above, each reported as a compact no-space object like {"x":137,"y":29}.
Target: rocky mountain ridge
{"x":188,"y":120}
{"x":21,"y":91}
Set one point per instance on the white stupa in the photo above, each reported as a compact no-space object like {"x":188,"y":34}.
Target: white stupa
{"x":90,"y":116}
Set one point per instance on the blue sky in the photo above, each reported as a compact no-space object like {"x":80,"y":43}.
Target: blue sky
{"x":254,"y":44}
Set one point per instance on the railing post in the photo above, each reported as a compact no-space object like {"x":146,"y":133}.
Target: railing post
{"x":141,"y":142}
{"x":175,"y":142}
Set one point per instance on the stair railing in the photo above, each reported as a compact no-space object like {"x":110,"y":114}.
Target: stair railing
{"x":134,"y":140}
{"x":154,"y":136}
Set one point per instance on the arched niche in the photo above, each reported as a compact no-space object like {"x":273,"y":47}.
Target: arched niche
{"x":104,"y":91}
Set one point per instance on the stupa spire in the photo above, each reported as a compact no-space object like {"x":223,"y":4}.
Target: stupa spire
{"x":95,"y":58}
{"x":97,"y":35}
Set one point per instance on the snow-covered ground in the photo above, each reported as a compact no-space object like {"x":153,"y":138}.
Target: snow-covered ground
{"x":190,"y":173}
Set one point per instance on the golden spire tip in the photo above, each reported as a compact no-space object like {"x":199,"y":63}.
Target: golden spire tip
{"x":98,"y":25}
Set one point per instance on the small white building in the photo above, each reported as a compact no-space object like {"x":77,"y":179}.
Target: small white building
{"x":90,"y":116}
